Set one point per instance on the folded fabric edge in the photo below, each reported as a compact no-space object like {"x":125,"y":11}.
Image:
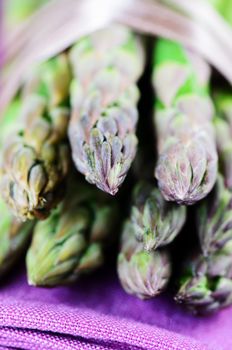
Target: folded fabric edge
{"x":91,"y":325}
{"x":17,"y":338}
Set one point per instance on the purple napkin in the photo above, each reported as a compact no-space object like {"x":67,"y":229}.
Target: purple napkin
{"x":96,"y":313}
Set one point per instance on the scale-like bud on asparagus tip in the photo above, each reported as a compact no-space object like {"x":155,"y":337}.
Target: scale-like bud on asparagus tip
{"x":187,"y":163}
{"x":71,"y":241}
{"x":144,"y":274}
{"x":14,"y":237}
{"x":207,"y":283}
{"x":36,"y":157}
{"x":104,"y":96}
{"x":156,"y":222}
{"x":214,"y":216}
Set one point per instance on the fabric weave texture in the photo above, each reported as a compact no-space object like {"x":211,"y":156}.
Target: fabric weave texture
{"x":96,"y":313}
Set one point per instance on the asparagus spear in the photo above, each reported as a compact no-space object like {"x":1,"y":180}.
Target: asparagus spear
{"x":156,"y":222}
{"x":207,"y":282}
{"x":153,"y":223}
{"x":187,"y":164}
{"x":215,"y":213}
{"x":72,"y":240}
{"x":142,"y":269}
{"x":104,"y":95}
{"x":207,"y":285}
{"x":14,"y":235}
{"x":214,"y":217}
{"x":35,"y":158}
{"x":144,"y":274}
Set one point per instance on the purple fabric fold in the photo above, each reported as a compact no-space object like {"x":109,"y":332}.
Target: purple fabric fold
{"x":96,"y":313}
{"x":59,"y":327}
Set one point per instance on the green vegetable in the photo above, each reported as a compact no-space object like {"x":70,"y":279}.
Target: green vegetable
{"x":36,"y":155}
{"x":155,"y":222}
{"x":14,"y":235}
{"x":104,"y":96}
{"x":207,"y":283}
{"x":72,"y":240}
{"x":187,"y":159}
{"x":144,"y":274}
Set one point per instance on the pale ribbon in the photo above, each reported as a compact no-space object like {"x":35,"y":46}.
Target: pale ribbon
{"x":58,"y":24}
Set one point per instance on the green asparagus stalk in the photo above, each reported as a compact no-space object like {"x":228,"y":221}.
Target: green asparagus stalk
{"x":142,"y":269}
{"x":187,"y":164}
{"x":144,"y":274}
{"x":214,"y":216}
{"x":207,"y":283}
{"x":156,"y":222}
{"x":72,"y":240}
{"x":215,"y":213}
{"x":36,"y":156}
{"x":104,"y":95}
{"x":14,"y":235}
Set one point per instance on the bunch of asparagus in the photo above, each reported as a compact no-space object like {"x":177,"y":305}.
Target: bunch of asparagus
{"x":88,"y":96}
{"x":79,"y":110}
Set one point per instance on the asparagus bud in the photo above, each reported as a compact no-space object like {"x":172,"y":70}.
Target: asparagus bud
{"x":14,"y":235}
{"x":187,"y":163}
{"x":144,"y":274}
{"x":72,"y":240}
{"x":214,"y":216}
{"x":36,"y":157}
{"x":207,"y":285}
{"x":104,"y":95}
{"x":156,"y":222}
